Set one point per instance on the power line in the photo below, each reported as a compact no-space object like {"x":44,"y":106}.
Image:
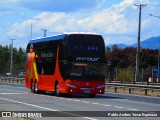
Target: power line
{"x":154,"y":16}
{"x":152,"y":5}
{"x":112,"y":21}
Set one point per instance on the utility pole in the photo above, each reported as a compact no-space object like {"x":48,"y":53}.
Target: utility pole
{"x":138,"y":45}
{"x":44,"y":30}
{"x":11,"y":55}
{"x":31,"y":31}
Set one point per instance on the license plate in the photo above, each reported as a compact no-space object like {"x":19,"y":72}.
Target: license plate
{"x":87,"y":92}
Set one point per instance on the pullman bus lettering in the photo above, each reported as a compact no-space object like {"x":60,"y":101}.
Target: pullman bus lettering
{"x":86,"y":59}
{"x":44,"y":55}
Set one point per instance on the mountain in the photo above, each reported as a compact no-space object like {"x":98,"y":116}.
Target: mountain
{"x":118,"y":45}
{"x":151,"y":43}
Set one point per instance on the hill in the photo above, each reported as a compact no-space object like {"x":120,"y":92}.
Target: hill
{"x":151,"y":43}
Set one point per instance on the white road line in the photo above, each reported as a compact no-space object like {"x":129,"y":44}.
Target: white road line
{"x":14,"y":86}
{"x":76,"y":100}
{"x":90,"y":118}
{"x":10,"y":93}
{"x":132,"y":109}
{"x":105,"y":105}
{"x":44,"y":108}
{"x":28,"y":104}
{"x":69,"y":99}
{"x":95,"y":103}
{"x":85,"y":102}
{"x":19,"y":92}
{"x":13,"y":91}
{"x":118,"y":107}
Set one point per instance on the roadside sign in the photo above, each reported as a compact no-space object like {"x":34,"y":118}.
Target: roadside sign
{"x":155,"y":71}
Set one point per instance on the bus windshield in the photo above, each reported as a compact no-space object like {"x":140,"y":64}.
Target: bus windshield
{"x":86,"y":48}
{"x":83,"y":71}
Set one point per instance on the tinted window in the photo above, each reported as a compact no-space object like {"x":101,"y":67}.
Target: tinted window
{"x":84,"y":45}
{"x":45,"y":56}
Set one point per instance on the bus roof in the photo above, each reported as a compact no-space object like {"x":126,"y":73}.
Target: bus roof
{"x":56,"y":37}
{"x":43,"y":39}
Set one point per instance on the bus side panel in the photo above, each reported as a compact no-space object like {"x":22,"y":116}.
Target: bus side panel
{"x":57,"y":75}
{"x":61,"y":65}
{"x":46,"y":82}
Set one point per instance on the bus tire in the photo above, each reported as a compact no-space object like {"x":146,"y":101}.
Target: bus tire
{"x":92,"y":95}
{"x":57,"y":89}
{"x":36,"y":88}
{"x":32,"y":86}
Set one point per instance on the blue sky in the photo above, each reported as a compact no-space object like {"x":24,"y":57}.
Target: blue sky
{"x":115,"y":20}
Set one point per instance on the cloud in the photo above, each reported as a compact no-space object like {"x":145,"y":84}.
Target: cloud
{"x":117,"y":24}
{"x":58,"y":5}
{"x":5,"y":11}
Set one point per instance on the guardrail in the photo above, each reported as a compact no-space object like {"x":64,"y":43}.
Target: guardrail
{"x":12,"y":79}
{"x":129,"y":87}
{"x":133,"y":87}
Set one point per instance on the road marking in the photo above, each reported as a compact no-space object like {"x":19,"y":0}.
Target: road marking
{"x":118,"y":107}
{"x":68,"y":99}
{"x":11,"y":90}
{"x":10,"y":93}
{"x":28,"y":104}
{"x":132,"y":109}
{"x":95,"y":103}
{"x":106,"y":105}
{"x":45,"y":108}
{"x":76,"y":100}
{"x":85,"y":102}
{"x":19,"y":92}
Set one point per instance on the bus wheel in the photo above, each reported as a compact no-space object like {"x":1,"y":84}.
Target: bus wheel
{"x":92,"y":95}
{"x":57,"y":90}
{"x":36,"y":88}
{"x":32,"y":87}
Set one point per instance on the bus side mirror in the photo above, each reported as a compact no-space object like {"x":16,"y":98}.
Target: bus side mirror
{"x":67,"y":76}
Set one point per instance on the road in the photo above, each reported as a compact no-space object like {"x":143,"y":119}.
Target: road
{"x":15,"y":97}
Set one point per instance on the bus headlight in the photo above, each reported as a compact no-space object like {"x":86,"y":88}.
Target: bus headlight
{"x":72,"y":86}
{"x":101,"y":86}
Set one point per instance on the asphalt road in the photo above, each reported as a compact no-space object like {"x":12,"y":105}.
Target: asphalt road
{"x":15,"y":97}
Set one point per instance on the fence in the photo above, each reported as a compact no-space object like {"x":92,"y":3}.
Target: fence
{"x":127,"y":75}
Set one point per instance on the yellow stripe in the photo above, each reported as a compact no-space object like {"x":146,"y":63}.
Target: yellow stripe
{"x":35,"y":70}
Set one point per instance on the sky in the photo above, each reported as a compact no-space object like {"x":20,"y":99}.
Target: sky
{"x":115,"y":20}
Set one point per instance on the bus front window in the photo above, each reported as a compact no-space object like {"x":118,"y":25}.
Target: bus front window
{"x":86,"y":71}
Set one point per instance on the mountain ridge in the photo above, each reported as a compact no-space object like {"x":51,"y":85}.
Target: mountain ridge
{"x":150,"y":43}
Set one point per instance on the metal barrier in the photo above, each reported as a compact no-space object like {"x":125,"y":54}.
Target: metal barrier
{"x":115,"y":86}
{"x":133,"y":87}
{"x":12,"y":79}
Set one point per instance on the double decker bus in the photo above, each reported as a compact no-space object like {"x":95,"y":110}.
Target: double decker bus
{"x":70,"y":63}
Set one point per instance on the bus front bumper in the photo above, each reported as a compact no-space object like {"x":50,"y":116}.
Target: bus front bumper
{"x":71,"y":89}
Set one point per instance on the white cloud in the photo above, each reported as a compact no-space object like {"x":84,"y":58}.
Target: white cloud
{"x":120,"y":20}
{"x":12,"y":1}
